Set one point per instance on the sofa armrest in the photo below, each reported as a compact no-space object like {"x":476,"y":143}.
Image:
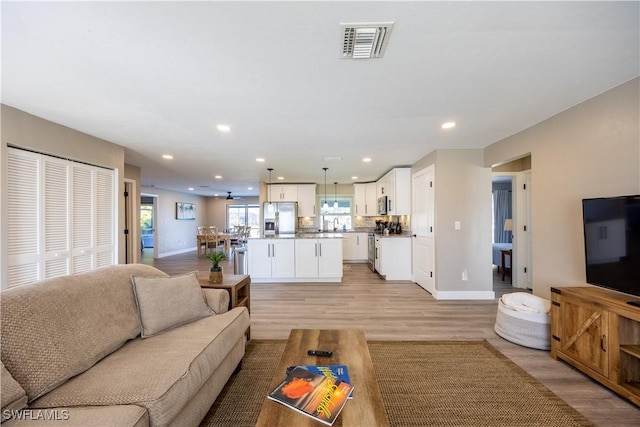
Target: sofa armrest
{"x":217,"y":299}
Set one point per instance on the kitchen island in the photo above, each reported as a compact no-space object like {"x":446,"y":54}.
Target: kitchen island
{"x":301,"y":257}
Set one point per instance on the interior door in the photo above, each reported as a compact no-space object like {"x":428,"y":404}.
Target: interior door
{"x":423,"y":250}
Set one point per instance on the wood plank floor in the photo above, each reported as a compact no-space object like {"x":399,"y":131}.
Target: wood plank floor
{"x":404,"y":311}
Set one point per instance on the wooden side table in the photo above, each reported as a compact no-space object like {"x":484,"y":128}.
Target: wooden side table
{"x":238,"y":286}
{"x":506,"y":253}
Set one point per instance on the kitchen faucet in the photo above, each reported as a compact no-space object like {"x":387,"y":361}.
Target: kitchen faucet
{"x":335,"y":224}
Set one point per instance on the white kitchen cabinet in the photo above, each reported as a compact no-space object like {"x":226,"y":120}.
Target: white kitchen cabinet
{"x":354,"y":247}
{"x":303,"y":194}
{"x":362,"y":247}
{"x":318,"y":258}
{"x":393,"y":257}
{"x":283,"y":193}
{"x":271,"y":258}
{"x":366,"y":199}
{"x":396,"y":185}
{"x":307,"y":200}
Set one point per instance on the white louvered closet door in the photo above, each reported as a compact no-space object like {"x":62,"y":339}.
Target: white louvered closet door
{"x":55,"y":216}
{"x":23,"y":213}
{"x":61,"y":217}
{"x":105,"y":221}
{"x":82,"y":218}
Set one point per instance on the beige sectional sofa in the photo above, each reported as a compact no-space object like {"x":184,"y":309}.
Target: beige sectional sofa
{"x":124,"y":345}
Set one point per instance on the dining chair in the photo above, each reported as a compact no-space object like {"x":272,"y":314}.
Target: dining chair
{"x":212,"y":241}
{"x":236,"y":240}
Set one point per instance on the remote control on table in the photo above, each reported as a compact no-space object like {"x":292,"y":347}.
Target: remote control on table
{"x":325,"y":353}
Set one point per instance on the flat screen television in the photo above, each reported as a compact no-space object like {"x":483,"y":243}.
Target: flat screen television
{"x":612,"y":242}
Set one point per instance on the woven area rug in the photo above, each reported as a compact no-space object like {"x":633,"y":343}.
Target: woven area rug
{"x":423,"y":383}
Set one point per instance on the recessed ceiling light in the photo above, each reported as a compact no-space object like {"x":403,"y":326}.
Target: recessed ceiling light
{"x":223,"y":128}
{"x":354,"y":177}
{"x":448,"y":125}
{"x":259,"y":159}
{"x":366,"y":159}
{"x":215,"y":194}
{"x":281,"y":178}
{"x":249,"y":188}
{"x":218,"y":177}
{"x":191,"y":188}
{"x":167,"y":156}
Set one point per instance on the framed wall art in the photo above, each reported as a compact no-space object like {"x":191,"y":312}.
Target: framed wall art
{"x":185,"y":210}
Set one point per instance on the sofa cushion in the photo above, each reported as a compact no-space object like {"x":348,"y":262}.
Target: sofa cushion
{"x":164,"y":303}
{"x":78,"y":319}
{"x":87,"y":416}
{"x":161,"y":373}
{"x":217,"y":299}
{"x":12,"y":395}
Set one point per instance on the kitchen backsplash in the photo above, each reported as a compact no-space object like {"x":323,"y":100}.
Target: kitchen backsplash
{"x":358,"y":222}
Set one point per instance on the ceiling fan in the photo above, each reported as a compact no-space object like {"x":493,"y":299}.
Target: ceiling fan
{"x":230,"y":197}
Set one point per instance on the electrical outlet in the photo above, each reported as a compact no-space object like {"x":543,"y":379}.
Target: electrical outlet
{"x":456,"y":225}
{"x":465,"y":276}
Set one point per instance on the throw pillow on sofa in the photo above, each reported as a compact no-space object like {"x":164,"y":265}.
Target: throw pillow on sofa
{"x":165,"y":303}
{"x":13,"y":395}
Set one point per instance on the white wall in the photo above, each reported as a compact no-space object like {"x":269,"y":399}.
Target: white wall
{"x":462,"y":193}
{"x":173,"y":235}
{"x":590,"y":150}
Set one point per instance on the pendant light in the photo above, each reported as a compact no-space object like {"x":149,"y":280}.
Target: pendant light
{"x":335,"y":196}
{"x":270,"y":205}
{"x":325,"y":206}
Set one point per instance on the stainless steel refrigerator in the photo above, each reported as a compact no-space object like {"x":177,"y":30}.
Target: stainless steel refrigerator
{"x":280,"y":218}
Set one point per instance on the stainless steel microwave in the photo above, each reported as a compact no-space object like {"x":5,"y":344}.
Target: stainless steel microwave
{"x":382,"y":205}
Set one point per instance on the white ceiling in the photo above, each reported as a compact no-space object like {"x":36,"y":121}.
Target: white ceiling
{"x":157,"y":77}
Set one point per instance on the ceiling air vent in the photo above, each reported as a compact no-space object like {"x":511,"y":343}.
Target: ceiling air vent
{"x":365,"y":40}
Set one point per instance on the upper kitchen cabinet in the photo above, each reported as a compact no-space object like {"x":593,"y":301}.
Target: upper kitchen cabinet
{"x":396,"y":185}
{"x":304,"y":194}
{"x":365,"y":199}
{"x":283,"y":193}
{"x":307,"y":200}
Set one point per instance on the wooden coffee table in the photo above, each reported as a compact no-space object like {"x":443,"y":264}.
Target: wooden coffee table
{"x":349,"y":348}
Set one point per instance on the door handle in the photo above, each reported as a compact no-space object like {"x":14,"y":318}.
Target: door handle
{"x":316,"y":247}
{"x":320,"y":245}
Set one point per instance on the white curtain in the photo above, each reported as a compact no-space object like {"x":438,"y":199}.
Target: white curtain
{"x":501,"y":211}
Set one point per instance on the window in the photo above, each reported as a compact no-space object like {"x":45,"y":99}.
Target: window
{"x":146,"y":225}
{"x":244,"y":215}
{"x":339,"y":217}
{"x":60,"y":217}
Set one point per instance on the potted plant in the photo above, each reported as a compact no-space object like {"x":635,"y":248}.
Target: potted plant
{"x":215,"y":274}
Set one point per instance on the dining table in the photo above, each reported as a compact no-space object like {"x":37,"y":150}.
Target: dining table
{"x":201,"y":239}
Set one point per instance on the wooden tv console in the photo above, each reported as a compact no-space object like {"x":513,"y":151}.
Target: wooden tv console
{"x":596,"y":331}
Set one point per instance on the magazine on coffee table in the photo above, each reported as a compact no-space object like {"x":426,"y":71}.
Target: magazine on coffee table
{"x":314,"y":395}
{"x":338,"y":372}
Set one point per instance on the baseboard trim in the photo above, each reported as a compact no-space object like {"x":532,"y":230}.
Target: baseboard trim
{"x":464,"y":295}
{"x":178,"y":252}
